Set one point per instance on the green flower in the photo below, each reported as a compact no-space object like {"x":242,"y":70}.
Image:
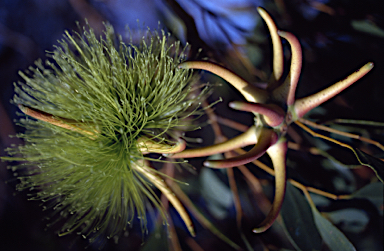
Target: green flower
{"x":101,"y":105}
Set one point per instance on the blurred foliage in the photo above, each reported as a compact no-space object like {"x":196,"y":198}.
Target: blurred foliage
{"x":336,"y":36}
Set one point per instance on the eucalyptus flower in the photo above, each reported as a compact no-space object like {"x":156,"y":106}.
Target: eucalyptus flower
{"x":94,"y":110}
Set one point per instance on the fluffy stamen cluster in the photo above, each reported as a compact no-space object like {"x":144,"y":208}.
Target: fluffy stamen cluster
{"x":99,"y":107}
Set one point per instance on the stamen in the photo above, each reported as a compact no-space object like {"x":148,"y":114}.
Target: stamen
{"x":61,"y":122}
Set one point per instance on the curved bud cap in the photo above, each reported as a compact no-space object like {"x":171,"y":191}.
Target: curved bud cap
{"x":147,"y":146}
{"x":166,"y":190}
{"x":278,"y":57}
{"x":250,"y":93}
{"x":245,"y":139}
{"x":277,"y":153}
{"x":273,"y":114}
{"x":267,"y":138}
{"x":304,"y":105}
{"x":286,"y":92}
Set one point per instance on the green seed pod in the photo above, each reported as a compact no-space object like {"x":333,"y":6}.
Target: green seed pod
{"x":101,"y":105}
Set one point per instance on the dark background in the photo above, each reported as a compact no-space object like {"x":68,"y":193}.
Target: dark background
{"x":337,"y":38}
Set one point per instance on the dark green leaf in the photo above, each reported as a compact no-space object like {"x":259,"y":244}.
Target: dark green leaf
{"x":363,"y":158}
{"x":351,"y":220}
{"x":158,"y":240}
{"x":374,"y":163}
{"x":299,"y":221}
{"x":331,"y":235}
{"x":217,"y":195}
{"x":367,"y":27}
{"x":373,"y":192}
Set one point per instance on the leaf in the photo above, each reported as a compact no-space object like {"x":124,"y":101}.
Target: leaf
{"x":367,"y":27}
{"x":363,"y":158}
{"x":217,"y":195}
{"x":331,"y":235}
{"x":200,"y":217}
{"x":299,"y":221}
{"x":373,"y":192}
{"x":350,"y":220}
{"x":374,"y":163}
{"x":158,"y":240}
